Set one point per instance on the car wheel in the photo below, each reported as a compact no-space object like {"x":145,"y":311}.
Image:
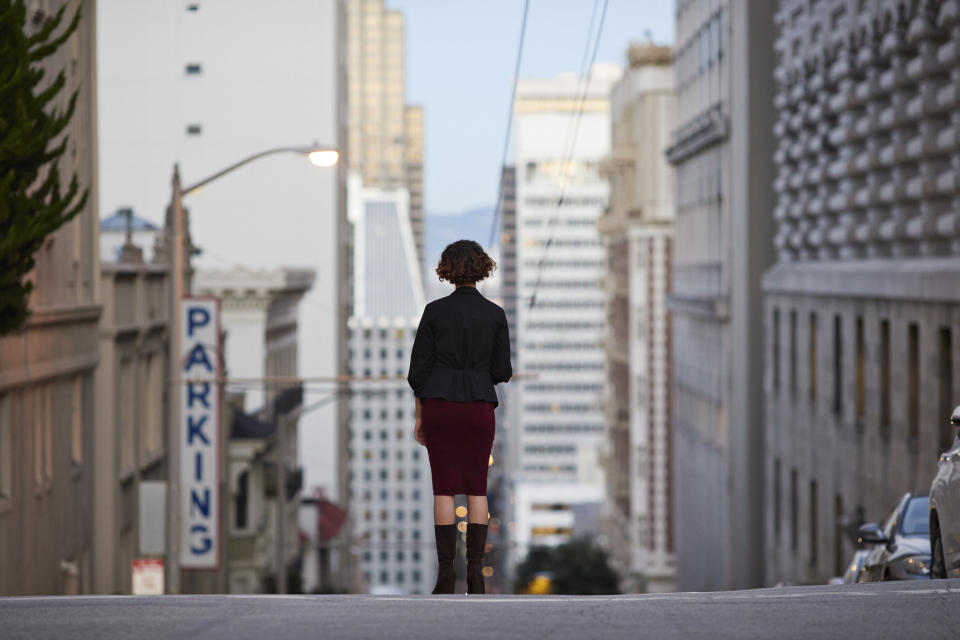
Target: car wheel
{"x":938,"y":568}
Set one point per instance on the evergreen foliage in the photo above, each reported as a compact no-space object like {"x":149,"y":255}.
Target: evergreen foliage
{"x":578,"y":567}
{"x":32,"y":205}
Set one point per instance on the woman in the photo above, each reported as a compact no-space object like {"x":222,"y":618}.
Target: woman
{"x":462,"y":349}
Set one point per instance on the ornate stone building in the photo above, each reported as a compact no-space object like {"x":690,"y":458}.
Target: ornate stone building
{"x":637,"y":229}
{"x":862,"y":308}
{"x":722,"y":151}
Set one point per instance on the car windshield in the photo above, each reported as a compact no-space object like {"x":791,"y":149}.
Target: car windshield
{"x":916,"y":519}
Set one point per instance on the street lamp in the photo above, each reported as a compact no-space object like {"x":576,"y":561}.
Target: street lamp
{"x":319,"y":155}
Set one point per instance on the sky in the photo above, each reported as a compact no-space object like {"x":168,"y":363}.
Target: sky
{"x":460,"y":62}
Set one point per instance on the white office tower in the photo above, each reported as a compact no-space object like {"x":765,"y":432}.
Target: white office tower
{"x":558,"y":423}
{"x":391,"y":498}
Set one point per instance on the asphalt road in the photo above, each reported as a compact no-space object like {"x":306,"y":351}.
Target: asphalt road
{"x":888,"y":610}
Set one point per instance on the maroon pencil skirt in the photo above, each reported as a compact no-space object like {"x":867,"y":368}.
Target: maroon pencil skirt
{"x":459,"y":438}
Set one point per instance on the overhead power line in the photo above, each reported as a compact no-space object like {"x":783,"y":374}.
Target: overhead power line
{"x":568,"y":156}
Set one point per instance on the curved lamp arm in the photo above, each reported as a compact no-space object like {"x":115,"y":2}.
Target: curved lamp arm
{"x":326,"y":156}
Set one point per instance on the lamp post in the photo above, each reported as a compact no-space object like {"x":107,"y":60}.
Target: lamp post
{"x":319,"y":155}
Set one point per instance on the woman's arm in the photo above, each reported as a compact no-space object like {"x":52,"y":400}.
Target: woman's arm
{"x":418,"y":426}
{"x":500,"y":367}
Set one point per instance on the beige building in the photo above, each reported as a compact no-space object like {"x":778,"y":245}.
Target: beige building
{"x":722,"y":151}
{"x":385,"y":134}
{"x":862,"y":308}
{"x":637,"y":228}
{"x":47,"y":368}
{"x":132,"y":416}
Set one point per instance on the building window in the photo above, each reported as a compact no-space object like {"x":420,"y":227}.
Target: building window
{"x":859,"y":373}
{"x":814,"y":527}
{"x":913,"y":385}
{"x":193,"y":7}
{"x":838,"y":533}
{"x":776,"y":500}
{"x":793,"y":354}
{"x":837,"y":365}
{"x":946,"y":391}
{"x":885,"y":378}
{"x":776,"y":351}
{"x":193,"y":69}
{"x":194,"y":129}
{"x":813,"y":361}
{"x":6,"y":455}
{"x":793,"y":509}
{"x":76,"y":421}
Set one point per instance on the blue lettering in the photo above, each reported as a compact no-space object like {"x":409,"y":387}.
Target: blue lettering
{"x":202,"y":396}
{"x":197,"y":317}
{"x":198,"y":355}
{"x":206,"y":541}
{"x":198,"y":466}
{"x":202,"y":503}
{"x":196,"y":429}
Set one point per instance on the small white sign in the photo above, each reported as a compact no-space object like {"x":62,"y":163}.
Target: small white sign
{"x":199,"y":432}
{"x":147,"y":577}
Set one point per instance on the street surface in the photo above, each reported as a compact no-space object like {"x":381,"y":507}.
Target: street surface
{"x":894,"y":610}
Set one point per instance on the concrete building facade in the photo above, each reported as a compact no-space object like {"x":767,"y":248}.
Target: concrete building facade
{"x":385,"y":133}
{"x":562,"y":133}
{"x":47,"y":368}
{"x":637,"y":229}
{"x":862,"y":308}
{"x":722,"y":152}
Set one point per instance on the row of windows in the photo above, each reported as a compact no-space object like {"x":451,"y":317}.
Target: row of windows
{"x":563,"y":284}
{"x":367,"y":353}
{"x":400,"y":494}
{"x":384,"y":454}
{"x":568,"y":304}
{"x":576,"y":264}
{"x":560,"y":346}
{"x":944,"y":340}
{"x":565,"y":387}
{"x":569,"y":222}
{"x":568,"y":201}
{"x":383,"y":475}
{"x":564,"y":242}
{"x":385,"y":577}
{"x":551,"y":468}
{"x":384,"y":515}
{"x":554,"y":407}
{"x":368,"y":373}
{"x":552,"y":449}
{"x":563,"y":428}
{"x":563,"y":325}
{"x":565,"y":366}
{"x":383,"y":434}
{"x":383,"y":333}
{"x":385,"y":556}
{"x":384,"y":414}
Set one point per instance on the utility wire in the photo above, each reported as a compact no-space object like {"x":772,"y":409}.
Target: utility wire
{"x":506,"y":138}
{"x":563,"y":175}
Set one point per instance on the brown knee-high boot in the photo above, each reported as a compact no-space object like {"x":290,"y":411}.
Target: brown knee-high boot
{"x":446,"y":535}
{"x":476,"y":543}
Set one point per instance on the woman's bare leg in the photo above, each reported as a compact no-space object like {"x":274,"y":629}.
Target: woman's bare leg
{"x":477,"y":509}
{"x":443,"y":510}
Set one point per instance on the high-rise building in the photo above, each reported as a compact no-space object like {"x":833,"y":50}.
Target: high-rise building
{"x":862,"y":307}
{"x":47,"y":368}
{"x":391,"y":497}
{"x":722,"y":152}
{"x":637,"y":228}
{"x":386,"y":134}
{"x":562,"y":133}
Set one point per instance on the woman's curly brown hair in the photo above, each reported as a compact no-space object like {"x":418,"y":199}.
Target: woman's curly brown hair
{"x":465,"y":262}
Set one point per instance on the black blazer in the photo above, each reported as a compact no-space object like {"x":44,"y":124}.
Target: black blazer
{"x":462,"y":349}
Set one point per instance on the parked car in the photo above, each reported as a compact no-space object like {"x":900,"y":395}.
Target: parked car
{"x":900,"y":549}
{"x":855,"y":567}
{"x":945,"y":511}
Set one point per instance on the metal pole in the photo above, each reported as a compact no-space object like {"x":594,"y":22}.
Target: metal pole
{"x":281,"y":503}
{"x":173,"y":439}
